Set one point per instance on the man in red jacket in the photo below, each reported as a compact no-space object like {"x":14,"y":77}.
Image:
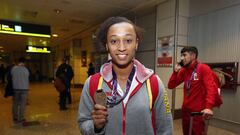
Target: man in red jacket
{"x":199,"y":89}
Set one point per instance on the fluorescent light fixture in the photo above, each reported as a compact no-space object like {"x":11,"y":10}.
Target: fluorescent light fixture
{"x":25,"y":34}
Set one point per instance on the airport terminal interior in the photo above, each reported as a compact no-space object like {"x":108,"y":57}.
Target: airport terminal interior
{"x":46,"y":32}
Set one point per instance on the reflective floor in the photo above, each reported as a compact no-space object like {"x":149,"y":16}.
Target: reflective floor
{"x":43,"y":111}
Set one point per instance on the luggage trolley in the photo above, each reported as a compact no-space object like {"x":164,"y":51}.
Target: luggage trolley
{"x":193,"y":114}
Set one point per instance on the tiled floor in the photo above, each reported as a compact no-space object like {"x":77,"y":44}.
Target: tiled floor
{"x":43,"y":107}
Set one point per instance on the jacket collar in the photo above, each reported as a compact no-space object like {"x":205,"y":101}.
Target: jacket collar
{"x":193,"y":65}
{"x":142,"y":73}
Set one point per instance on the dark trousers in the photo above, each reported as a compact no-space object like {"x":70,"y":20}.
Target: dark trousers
{"x":69,"y":96}
{"x":63,"y":96}
{"x":3,"y":79}
{"x":68,"y":91}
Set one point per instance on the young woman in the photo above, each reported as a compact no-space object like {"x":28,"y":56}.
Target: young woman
{"x":124,"y":83}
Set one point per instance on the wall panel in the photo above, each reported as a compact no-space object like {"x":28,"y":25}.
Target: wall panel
{"x":217,"y":36}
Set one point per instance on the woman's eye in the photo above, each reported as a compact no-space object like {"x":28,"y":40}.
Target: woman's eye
{"x":128,"y":41}
{"x":113,"y":42}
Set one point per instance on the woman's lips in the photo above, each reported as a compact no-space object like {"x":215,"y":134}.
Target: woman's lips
{"x":121,"y":56}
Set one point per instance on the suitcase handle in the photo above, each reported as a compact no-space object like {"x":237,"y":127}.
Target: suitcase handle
{"x":196,"y":113}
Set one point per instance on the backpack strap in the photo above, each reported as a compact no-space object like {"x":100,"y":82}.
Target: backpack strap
{"x":96,"y":81}
{"x":152,"y":87}
{"x":149,"y":93}
{"x":153,"y":91}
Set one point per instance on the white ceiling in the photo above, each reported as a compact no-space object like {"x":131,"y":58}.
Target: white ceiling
{"x":76,"y":16}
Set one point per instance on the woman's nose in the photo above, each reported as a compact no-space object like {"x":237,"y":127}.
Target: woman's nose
{"x":121,"y":46}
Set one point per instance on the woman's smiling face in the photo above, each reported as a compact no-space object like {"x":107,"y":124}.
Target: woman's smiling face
{"x":122,"y":43}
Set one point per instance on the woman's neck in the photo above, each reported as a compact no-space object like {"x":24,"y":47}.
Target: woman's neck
{"x":123,"y":73}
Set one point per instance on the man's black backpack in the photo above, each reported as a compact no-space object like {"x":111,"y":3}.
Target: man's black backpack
{"x":9,"y":87}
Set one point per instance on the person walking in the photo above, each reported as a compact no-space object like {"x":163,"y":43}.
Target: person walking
{"x":20,"y":82}
{"x":65,"y":73}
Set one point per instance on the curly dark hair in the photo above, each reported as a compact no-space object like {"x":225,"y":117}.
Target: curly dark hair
{"x":103,"y":30}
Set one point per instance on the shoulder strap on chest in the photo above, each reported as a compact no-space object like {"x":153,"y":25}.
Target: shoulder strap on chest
{"x":96,"y":81}
{"x":95,"y":84}
{"x":152,"y":87}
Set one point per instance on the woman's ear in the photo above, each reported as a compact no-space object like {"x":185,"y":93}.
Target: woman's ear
{"x":106,"y":47}
{"x":136,"y":44}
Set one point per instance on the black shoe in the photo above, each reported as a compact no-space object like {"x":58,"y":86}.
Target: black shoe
{"x":63,"y":108}
{"x":15,"y":121}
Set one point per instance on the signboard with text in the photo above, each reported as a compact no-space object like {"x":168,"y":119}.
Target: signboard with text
{"x":10,"y":27}
{"x":37,"y":49}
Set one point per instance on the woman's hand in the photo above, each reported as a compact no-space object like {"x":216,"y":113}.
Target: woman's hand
{"x":99,"y":116}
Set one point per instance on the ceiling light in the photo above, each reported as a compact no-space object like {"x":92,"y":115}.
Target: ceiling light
{"x":55,"y":35}
{"x":44,"y":42}
{"x":1,"y":47}
{"x":57,"y":11}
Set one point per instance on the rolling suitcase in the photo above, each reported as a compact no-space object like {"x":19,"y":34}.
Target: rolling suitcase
{"x":193,"y":114}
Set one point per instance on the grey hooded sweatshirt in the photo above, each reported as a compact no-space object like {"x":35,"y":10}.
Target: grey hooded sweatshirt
{"x":133,"y":117}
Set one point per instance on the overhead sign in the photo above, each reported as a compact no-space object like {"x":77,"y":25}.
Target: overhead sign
{"x":9,"y":27}
{"x":38,"y":49}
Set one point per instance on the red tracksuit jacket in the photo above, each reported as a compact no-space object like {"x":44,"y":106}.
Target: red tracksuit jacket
{"x":203,"y":89}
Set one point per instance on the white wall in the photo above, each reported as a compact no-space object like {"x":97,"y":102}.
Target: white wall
{"x":199,"y":7}
{"x":217,"y":36}
{"x":146,"y":49}
{"x":166,"y":27}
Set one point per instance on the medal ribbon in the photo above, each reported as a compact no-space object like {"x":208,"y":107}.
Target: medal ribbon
{"x":189,"y":82}
{"x":116,"y":98}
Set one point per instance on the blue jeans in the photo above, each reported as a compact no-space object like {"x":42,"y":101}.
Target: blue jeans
{"x":19,"y":104}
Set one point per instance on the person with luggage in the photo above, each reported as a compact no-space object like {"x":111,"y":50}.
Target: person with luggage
{"x":200,"y":89}
{"x":132,"y":107}
{"x":91,"y":69}
{"x":65,"y":73}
